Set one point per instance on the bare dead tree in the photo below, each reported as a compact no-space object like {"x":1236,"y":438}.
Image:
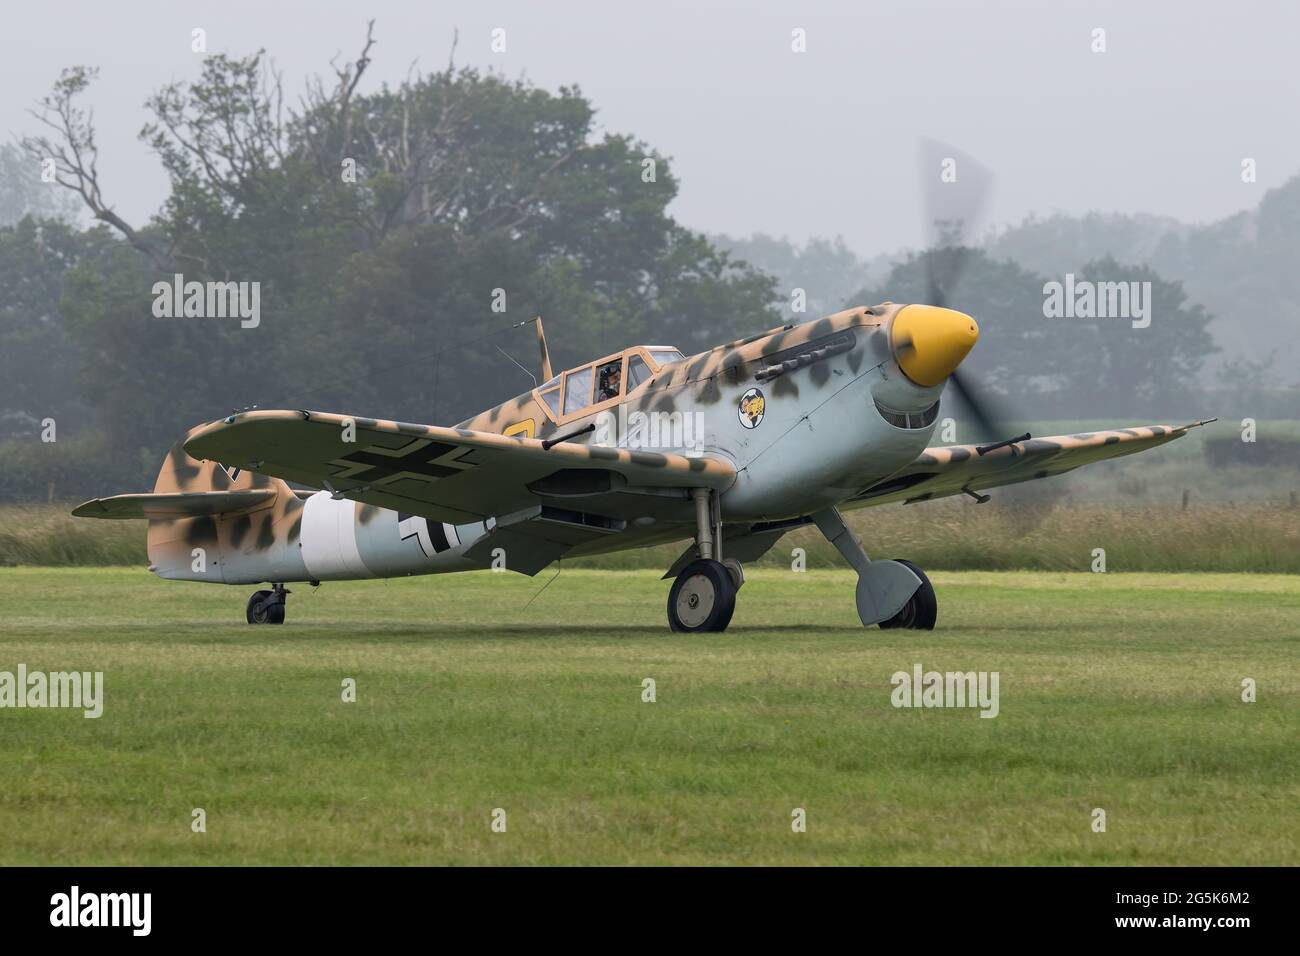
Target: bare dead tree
{"x":348,"y":78}
{"x":75,"y":155}
{"x":325,"y":113}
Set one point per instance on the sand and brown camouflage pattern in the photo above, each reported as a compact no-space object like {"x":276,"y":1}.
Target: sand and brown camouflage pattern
{"x":241,"y":533}
{"x":738,"y":361}
{"x":695,"y":380}
{"x":405,"y":498}
{"x":547,"y":374}
{"x":452,"y":475}
{"x":524,"y":410}
{"x":954,"y":469}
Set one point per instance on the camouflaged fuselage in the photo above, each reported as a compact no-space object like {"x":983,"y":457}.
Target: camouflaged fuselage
{"x":780,"y":425}
{"x":794,"y":409}
{"x":296,"y":536}
{"x":820,"y":440}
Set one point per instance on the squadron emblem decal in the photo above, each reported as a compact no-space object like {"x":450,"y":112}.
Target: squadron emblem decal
{"x":751,"y":408}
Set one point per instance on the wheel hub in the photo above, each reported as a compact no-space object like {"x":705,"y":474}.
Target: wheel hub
{"x":695,"y":602}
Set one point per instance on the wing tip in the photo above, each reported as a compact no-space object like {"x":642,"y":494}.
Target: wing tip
{"x":88,"y":509}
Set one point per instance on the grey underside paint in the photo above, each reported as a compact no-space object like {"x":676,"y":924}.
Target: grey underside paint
{"x":744,"y":548}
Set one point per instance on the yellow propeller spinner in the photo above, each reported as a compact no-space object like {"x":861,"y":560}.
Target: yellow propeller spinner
{"x":930,"y":342}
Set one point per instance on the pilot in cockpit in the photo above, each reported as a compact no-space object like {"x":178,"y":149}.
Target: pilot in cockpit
{"x":609,"y":382}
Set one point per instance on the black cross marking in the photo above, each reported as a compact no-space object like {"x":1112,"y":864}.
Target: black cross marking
{"x":368,"y":466}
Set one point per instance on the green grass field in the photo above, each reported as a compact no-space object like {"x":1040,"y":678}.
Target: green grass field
{"x":1118,"y":691}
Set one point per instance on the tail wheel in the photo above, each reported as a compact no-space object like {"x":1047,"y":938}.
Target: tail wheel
{"x":256,"y":611}
{"x":922,"y":608}
{"x":703,"y":598}
{"x":265,"y":607}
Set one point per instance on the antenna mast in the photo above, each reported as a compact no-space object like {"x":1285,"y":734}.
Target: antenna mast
{"x":547,"y":374}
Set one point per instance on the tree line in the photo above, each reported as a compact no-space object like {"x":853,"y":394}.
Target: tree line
{"x":399,"y":237}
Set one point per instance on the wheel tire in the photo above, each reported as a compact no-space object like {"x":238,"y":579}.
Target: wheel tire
{"x":275,"y":613}
{"x":922,"y":610}
{"x":257,"y":607}
{"x":703,"y":598}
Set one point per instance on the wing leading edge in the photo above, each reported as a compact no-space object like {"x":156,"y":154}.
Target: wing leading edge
{"x":955,"y":469}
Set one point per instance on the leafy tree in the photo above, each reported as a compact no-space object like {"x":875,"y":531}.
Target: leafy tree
{"x":1064,"y":367}
{"x":40,"y":356}
{"x":1241,"y":268}
{"x":378,"y":224}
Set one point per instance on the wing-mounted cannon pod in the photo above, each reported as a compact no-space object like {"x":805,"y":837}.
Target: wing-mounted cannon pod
{"x":890,"y":593}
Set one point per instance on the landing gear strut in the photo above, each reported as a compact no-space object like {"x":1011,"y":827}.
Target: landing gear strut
{"x":267,"y":607}
{"x":890,"y":593}
{"x":703,"y":596}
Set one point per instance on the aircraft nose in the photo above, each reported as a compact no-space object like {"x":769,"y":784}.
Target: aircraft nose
{"x":930,"y":342}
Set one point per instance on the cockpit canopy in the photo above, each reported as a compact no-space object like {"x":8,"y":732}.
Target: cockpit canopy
{"x":589,"y":386}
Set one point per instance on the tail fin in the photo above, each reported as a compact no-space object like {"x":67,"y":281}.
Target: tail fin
{"x":189,"y":488}
{"x":233,"y":536}
{"x":198,"y":510}
{"x":181,"y":473}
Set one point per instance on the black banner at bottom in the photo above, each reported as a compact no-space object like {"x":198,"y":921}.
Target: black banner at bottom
{"x":334,"y":905}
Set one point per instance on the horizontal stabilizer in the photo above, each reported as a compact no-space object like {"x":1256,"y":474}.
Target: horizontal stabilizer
{"x":185,"y":504}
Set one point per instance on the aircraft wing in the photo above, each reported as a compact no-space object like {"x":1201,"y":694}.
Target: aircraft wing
{"x":452,"y":475}
{"x":954,"y":469}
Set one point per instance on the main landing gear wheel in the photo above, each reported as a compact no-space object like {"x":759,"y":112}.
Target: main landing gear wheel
{"x":266,"y":607}
{"x":703,"y":598}
{"x":921,"y":610}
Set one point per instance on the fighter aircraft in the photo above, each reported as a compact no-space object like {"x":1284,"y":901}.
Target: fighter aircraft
{"x":728,"y":450}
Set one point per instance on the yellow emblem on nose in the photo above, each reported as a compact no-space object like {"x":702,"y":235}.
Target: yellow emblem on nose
{"x":929,"y":342}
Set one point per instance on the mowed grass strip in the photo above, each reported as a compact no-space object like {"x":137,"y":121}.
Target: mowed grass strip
{"x":1118,"y":691}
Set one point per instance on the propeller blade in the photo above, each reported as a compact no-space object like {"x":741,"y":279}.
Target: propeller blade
{"x":956,"y":190}
{"x":984,"y":418}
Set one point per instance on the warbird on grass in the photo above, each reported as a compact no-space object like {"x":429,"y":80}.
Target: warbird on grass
{"x":789,"y":427}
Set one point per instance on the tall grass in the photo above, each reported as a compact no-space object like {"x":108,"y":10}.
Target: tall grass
{"x":48,"y":535}
{"x":955,"y":536}
{"x":961,"y":536}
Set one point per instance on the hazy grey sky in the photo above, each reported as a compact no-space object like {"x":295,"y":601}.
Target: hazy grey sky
{"x":764,"y":139}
